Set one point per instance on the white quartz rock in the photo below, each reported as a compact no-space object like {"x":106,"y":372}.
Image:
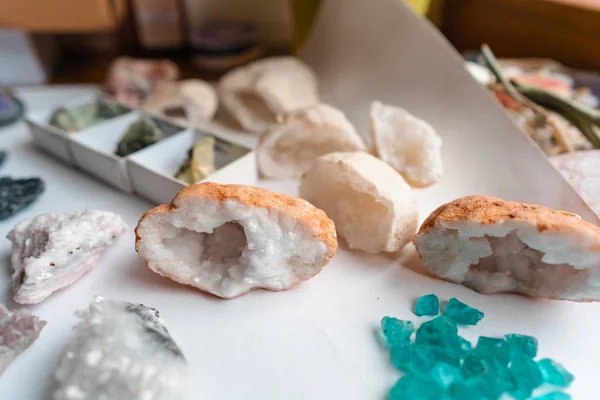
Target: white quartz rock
{"x":52,"y":251}
{"x":257,"y":93}
{"x":187,"y":102}
{"x":372,"y":207}
{"x":122,"y":352}
{"x":18,"y":330}
{"x":288,"y":149}
{"x":410,"y":145}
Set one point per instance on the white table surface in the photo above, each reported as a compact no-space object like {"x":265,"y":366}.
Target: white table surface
{"x":317,"y":341}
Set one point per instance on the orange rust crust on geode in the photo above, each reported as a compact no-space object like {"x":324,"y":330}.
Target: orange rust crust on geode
{"x":299,"y":209}
{"x":490,"y":210}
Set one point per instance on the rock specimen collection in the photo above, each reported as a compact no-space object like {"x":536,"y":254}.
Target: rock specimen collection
{"x":52,"y":251}
{"x":123,"y":351}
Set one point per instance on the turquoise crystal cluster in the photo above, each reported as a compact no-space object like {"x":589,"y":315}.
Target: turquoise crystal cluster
{"x":439,"y":364}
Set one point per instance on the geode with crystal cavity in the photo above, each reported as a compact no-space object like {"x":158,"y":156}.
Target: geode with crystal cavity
{"x":52,"y":251}
{"x":495,"y":246}
{"x":18,"y":330}
{"x":123,"y":351}
{"x":230,"y":239}
{"x":18,"y":194}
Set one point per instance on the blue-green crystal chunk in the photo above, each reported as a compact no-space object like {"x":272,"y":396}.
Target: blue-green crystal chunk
{"x":396,"y":331}
{"x":401,"y":356}
{"x":413,"y":386}
{"x":554,"y":373}
{"x":445,"y":374}
{"x":437,"y":332}
{"x":553,"y":396}
{"x":488,"y":347}
{"x":522,"y":343}
{"x":427,"y":305}
{"x":461,"y":313}
{"x":526,"y":375}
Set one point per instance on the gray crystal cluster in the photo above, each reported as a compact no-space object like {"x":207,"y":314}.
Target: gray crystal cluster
{"x":140,"y":134}
{"x":18,"y":330}
{"x":18,"y":194}
{"x":123,"y":352}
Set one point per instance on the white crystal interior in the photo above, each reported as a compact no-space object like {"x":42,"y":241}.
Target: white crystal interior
{"x":227,"y":248}
{"x":52,"y":251}
{"x":511,"y":258}
{"x":116,"y":356}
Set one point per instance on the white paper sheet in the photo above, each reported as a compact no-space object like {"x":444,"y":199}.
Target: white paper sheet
{"x":318,"y":341}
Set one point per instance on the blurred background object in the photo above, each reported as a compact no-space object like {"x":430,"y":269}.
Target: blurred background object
{"x":204,"y":38}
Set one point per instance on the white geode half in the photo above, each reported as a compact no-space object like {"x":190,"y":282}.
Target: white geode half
{"x":52,"y":251}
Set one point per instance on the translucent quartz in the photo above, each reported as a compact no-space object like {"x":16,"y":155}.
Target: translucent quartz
{"x":396,"y":331}
{"x":554,"y":373}
{"x":522,"y":343}
{"x":428,"y":304}
{"x":461,"y":313}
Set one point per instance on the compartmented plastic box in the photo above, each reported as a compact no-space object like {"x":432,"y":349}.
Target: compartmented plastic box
{"x":148,"y":172}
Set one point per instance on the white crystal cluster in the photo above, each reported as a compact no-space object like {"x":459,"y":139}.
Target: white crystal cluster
{"x":122,"y":352}
{"x":18,"y":330}
{"x":52,"y":251}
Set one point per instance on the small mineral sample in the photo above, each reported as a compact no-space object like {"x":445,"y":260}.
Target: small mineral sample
{"x":582,"y":170}
{"x":140,"y":134}
{"x":554,"y":373}
{"x":396,"y":331}
{"x":188,"y":102}
{"x":52,"y":251}
{"x":131,"y":80}
{"x":410,"y":145}
{"x":230,"y":239}
{"x":74,"y":119}
{"x":65,"y":120}
{"x":373,"y":208}
{"x":496,"y":246}
{"x":18,"y":330}
{"x":291,"y":145}
{"x":123,"y":351}
{"x":522,"y":344}
{"x":428,"y":304}
{"x":440,"y":364}
{"x":200,"y":162}
{"x":257,"y":93}
{"x":461,"y":313}
{"x":18,"y":194}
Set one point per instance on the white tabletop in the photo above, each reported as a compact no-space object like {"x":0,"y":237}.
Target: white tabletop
{"x":316,"y":341}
